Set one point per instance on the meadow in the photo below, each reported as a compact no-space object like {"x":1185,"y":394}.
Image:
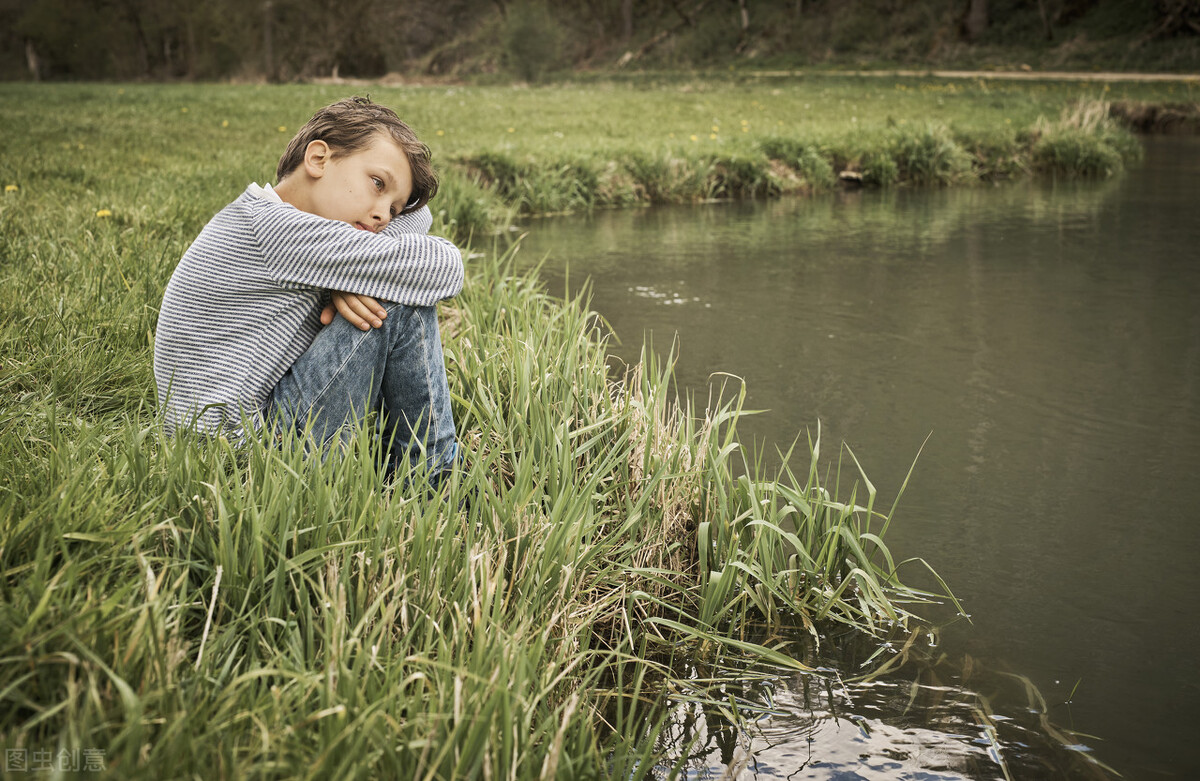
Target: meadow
{"x":190,"y":608}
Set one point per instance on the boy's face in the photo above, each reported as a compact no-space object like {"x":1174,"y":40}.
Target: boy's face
{"x":365,"y":188}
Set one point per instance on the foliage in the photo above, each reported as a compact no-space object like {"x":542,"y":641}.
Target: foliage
{"x":879,"y":169}
{"x":302,"y":39}
{"x":804,"y":156}
{"x":531,"y":40}
{"x":929,"y":156}
{"x":1084,"y":142}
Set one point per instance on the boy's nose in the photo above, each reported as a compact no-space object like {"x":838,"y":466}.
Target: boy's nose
{"x":381,"y":215}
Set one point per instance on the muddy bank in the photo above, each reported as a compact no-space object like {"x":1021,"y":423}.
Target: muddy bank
{"x":1145,"y":117}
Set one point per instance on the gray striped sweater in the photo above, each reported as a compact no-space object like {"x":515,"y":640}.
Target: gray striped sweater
{"x":246,"y":299}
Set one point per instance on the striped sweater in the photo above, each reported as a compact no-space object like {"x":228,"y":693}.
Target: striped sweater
{"x":246,"y":299}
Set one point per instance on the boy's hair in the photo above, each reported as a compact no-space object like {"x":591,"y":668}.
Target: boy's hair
{"x":348,"y":126}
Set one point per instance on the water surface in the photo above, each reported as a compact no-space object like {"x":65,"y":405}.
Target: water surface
{"x":1045,"y":337}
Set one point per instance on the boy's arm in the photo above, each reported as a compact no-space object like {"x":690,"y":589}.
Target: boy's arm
{"x":303,"y":250}
{"x":364,"y":312}
{"x":413,"y":222}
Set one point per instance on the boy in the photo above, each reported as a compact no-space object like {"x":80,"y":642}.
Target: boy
{"x":240,"y":334}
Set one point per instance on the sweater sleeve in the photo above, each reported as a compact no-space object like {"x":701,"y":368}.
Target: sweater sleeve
{"x":413,"y":222}
{"x":303,"y":250}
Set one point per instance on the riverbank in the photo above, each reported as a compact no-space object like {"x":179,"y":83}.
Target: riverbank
{"x":174,"y":604}
{"x":761,"y":135}
{"x":648,"y":138}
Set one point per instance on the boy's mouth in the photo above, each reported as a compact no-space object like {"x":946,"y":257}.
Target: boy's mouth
{"x":362,"y":227}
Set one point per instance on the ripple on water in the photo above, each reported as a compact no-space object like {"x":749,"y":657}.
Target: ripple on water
{"x":820,"y":728}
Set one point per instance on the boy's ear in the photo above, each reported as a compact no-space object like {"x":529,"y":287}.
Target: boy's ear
{"x":316,"y":155}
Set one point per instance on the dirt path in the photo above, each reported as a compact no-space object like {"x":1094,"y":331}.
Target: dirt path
{"x":1021,"y":75}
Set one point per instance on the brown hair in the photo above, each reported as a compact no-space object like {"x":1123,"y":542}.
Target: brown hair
{"x":348,"y":126}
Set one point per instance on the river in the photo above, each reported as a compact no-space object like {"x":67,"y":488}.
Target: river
{"x":1045,"y":337}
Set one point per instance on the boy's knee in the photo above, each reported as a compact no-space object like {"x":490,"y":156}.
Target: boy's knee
{"x":417,"y":321}
{"x":403,"y":310}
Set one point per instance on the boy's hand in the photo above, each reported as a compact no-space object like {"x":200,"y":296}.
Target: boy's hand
{"x":361,"y":311}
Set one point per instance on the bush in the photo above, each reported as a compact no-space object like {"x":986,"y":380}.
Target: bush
{"x":531,"y":40}
{"x":665,"y":178}
{"x":879,"y":169}
{"x":538,"y":186}
{"x":1076,"y":153}
{"x":929,"y":156}
{"x":465,"y":208}
{"x":803,"y":156}
{"x":741,"y":176}
{"x":996,"y":154}
{"x":1084,"y":142}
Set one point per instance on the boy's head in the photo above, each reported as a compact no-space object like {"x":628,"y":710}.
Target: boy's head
{"x":356,"y":125}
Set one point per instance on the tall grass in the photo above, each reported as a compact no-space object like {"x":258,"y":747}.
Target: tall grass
{"x":1085,"y":141}
{"x":921,"y":155}
{"x":187,"y":604}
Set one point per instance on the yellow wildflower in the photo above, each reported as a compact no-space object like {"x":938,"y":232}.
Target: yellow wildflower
{"x":441,"y":132}
{"x":695,"y":137}
{"x":224,"y":123}
{"x":716,"y":129}
{"x":104,"y":213}
{"x":11,"y":188}
{"x":712,"y":135}
{"x":283,"y":128}
{"x":512,"y":130}
{"x":183,"y":110}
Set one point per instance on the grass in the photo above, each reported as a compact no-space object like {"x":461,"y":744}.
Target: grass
{"x":193,"y":609}
{"x":579,"y":144}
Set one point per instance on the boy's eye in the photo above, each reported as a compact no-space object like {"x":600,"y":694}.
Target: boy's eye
{"x":392,"y":211}
{"x":378,"y":182}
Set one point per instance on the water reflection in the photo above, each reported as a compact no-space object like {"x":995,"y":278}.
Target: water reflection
{"x":886,"y":730}
{"x":1047,"y":338}
{"x":920,"y":715}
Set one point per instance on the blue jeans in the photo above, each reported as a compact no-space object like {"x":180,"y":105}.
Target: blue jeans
{"x":396,"y":371}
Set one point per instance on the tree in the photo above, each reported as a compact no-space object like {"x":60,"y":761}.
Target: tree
{"x":975,"y":21}
{"x":1176,"y":16}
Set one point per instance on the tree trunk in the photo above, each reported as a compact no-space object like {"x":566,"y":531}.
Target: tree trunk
{"x":139,"y":35}
{"x":1175,"y":16}
{"x":626,"y":19}
{"x":1045,"y":20}
{"x":191,"y":46}
{"x":31,"y":59}
{"x":268,"y":53}
{"x":664,"y":34}
{"x":744,"y":35}
{"x":977,"y":20}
